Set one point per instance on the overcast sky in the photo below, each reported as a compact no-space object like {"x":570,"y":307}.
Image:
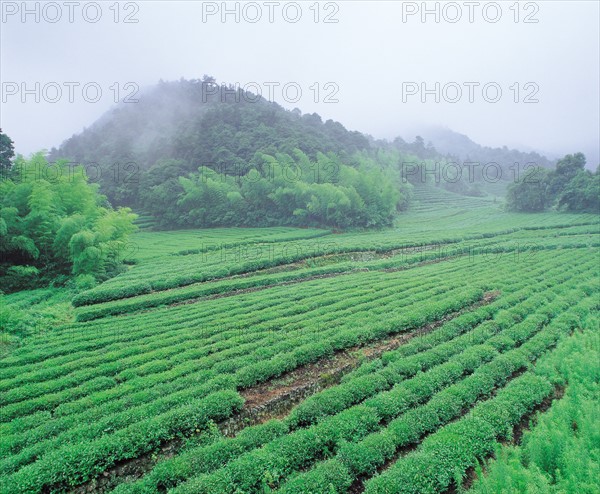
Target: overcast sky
{"x":377,"y":58}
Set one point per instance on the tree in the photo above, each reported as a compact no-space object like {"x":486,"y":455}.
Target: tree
{"x":570,"y":165}
{"x":7,"y":152}
{"x":566,"y":169}
{"x":530,"y":194}
{"x":582,"y":193}
{"x":58,"y":226}
{"x":569,"y":187}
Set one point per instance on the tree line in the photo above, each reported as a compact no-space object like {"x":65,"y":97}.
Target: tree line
{"x":569,"y":187}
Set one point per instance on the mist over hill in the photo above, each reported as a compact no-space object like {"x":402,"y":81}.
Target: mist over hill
{"x":203,"y":124}
{"x":144,"y":155}
{"x":463,"y":148}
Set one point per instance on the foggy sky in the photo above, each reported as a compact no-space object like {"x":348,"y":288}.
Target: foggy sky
{"x":370,"y":54}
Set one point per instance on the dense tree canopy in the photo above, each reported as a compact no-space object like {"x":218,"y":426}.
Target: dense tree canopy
{"x":569,"y":187}
{"x":277,"y":189}
{"x":199,"y":156}
{"x":531,"y":193}
{"x":53,"y":222}
{"x":582,"y":192}
{"x":192,"y":122}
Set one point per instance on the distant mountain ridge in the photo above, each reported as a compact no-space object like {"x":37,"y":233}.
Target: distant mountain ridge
{"x":450,"y":143}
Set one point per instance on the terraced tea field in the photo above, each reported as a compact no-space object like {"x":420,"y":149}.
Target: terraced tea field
{"x":307,"y":361}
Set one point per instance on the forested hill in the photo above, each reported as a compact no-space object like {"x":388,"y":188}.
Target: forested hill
{"x":196,"y":124}
{"x":197,"y":154}
{"x":200,"y":154}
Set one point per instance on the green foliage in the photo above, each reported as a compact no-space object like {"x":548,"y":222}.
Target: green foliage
{"x":567,"y":168}
{"x":84,"y":282}
{"x":444,"y":457}
{"x":238,"y":160}
{"x":180,"y":125}
{"x":570,"y":186}
{"x":582,"y":192}
{"x":74,"y":463}
{"x":7,"y":152}
{"x":32,"y":314}
{"x":12,"y":320}
{"x":560,"y":453}
{"x":166,"y":260}
{"x":449,"y":393}
{"x":204,"y":459}
{"x":91,"y":394}
{"x":531,"y":194}
{"x":20,"y":278}
{"x":285,"y":189}
{"x":58,"y":225}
